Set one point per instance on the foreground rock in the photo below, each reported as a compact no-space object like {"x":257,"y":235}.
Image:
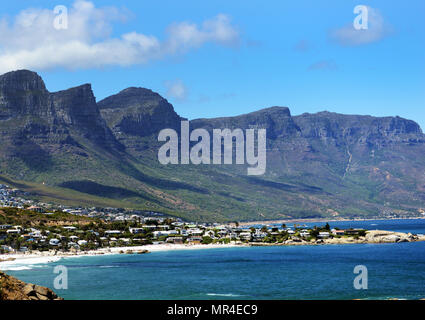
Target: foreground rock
{"x":15,"y":289}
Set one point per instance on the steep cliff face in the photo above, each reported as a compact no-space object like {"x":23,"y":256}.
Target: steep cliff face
{"x":27,"y":108}
{"x":38,"y":127}
{"x":317,"y":164}
{"x":138,"y":111}
{"x":343,"y":162}
{"x":23,"y":93}
{"x":76,"y":108}
{"x":325,"y":126}
{"x":358,"y":129}
{"x":136,"y":115}
{"x":276,"y":120}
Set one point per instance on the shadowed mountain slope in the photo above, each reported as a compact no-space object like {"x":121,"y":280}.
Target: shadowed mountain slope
{"x":318,"y":165}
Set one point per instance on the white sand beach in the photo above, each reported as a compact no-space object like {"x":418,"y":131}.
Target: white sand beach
{"x":26,"y":261}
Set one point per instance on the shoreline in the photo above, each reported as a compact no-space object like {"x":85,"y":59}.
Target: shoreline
{"x":307,"y":220}
{"x":18,"y":261}
{"x":24,"y":261}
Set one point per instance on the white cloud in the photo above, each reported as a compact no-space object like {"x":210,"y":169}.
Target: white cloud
{"x":349,"y":36}
{"x":31,"y":41}
{"x":176,"y":89}
{"x":184,"y":36}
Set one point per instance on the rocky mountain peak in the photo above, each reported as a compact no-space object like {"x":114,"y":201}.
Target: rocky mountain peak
{"x":22,"y":93}
{"x":75,"y":103}
{"x":277,"y":120}
{"x":275,"y":110}
{"x":357,"y":128}
{"x":132,"y":97}
{"x":138,"y":111}
{"x":22,"y":80}
{"x":30,"y":112}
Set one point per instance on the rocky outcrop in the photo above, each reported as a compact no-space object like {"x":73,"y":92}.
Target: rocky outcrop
{"x":138,"y":111}
{"x":357,"y":129}
{"x":14,"y":289}
{"x":379,"y":236}
{"x":135,"y":116}
{"x":322,"y":164}
{"x":276,"y":120}
{"x":39,"y":129}
{"x":375,"y":236}
{"x":29,"y":111}
{"x":23,"y":93}
{"x":76,"y":108}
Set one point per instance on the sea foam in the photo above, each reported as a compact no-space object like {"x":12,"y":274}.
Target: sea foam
{"x":26,"y":263}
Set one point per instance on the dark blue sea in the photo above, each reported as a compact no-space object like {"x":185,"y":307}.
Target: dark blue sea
{"x":283,"y":272}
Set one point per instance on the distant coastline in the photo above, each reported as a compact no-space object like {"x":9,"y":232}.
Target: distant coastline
{"x":308,"y":220}
{"x":17,"y":261}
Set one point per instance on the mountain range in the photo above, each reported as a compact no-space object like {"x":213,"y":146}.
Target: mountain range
{"x":66,"y":147}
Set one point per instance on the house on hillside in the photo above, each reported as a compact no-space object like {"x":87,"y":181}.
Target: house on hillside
{"x":36,"y":209}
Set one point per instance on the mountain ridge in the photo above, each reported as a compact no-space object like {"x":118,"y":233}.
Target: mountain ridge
{"x":324,"y":164}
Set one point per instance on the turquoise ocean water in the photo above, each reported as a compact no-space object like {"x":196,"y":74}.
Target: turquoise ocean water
{"x":285,"y":272}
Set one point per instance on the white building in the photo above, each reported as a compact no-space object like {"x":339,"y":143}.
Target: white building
{"x":324,"y":234}
{"x":54,"y":242}
{"x":245,"y":235}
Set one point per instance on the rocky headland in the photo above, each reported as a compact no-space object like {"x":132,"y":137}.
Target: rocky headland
{"x":372,"y":236}
{"x":15,"y":289}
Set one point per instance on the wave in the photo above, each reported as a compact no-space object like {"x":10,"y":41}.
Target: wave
{"x":224,"y":294}
{"x":108,"y":266}
{"x":11,"y":268}
{"x":27,"y":263}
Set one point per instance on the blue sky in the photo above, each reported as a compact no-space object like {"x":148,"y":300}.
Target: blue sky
{"x":241,"y":56}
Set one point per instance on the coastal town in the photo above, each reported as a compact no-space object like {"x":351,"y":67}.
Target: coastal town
{"x":16,"y":198}
{"x":31,"y":232}
{"x":136,"y":231}
{"x":27,"y":226}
